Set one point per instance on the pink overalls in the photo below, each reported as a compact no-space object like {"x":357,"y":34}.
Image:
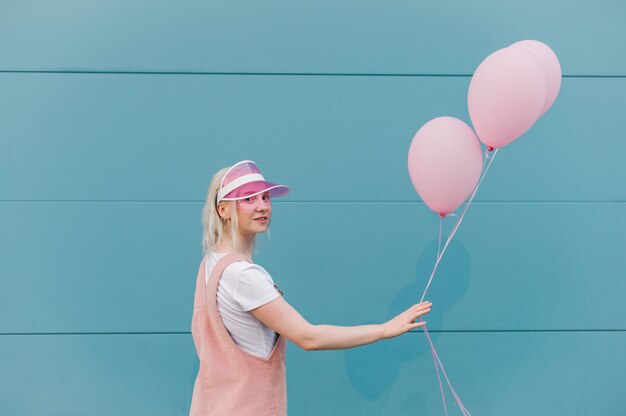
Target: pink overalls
{"x":230,"y":381}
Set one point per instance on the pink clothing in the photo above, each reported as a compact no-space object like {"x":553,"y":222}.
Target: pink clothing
{"x":231,"y":381}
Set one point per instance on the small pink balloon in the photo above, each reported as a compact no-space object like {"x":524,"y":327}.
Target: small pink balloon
{"x":445,"y":161}
{"x":550,"y":64}
{"x":506,"y":95}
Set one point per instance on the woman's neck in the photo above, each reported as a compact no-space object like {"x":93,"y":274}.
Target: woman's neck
{"x":244,"y":247}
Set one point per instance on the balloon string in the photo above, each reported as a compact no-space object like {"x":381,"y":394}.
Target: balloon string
{"x":432,"y":348}
{"x":435,"y":358}
{"x":439,"y":241}
{"x":438,"y":363}
{"x":456,"y":226}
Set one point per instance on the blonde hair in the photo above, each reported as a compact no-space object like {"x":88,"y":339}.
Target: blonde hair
{"x":215,"y":228}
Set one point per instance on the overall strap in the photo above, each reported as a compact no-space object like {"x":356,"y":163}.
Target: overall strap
{"x":211,"y":293}
{"x":218,"y":269}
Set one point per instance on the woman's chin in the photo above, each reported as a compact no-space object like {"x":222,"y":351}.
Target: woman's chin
{"x":260,"y":228}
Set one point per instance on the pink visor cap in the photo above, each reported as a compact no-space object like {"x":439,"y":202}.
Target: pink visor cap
{"x":243,"y":180}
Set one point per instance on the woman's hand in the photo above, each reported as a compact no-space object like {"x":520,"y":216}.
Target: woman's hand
{"x":284,"y":319}
{"x":406,"y":320}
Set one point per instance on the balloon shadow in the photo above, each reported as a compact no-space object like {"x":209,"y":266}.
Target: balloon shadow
{"x":446,"y":289}
{"x":372,"y":369}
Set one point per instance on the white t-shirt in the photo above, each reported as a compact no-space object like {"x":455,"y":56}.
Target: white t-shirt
{"x":243,"y":287}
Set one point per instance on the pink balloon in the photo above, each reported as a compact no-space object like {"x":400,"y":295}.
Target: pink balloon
{"x":506,"y":95}
{"x":550,"y":64}
{"x":445,"y":161}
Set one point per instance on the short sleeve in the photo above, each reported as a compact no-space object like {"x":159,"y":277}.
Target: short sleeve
{"x":253,"y":285}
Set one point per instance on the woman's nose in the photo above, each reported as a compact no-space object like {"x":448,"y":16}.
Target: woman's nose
{"x":262,"y":204}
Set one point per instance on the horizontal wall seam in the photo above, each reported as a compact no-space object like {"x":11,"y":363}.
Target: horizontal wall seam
{"x":191,"y":201}
{"x":443,"y":331}
{"x":331,"y":74}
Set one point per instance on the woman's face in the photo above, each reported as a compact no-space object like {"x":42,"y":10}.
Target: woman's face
{"x":254,"y":214}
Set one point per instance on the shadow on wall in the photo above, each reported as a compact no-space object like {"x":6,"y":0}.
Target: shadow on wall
{"x":373,"y":369}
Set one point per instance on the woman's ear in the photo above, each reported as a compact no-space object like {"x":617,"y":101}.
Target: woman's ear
{"x":222,"y":211}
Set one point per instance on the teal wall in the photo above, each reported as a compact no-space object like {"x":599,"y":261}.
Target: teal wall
{"x":114,"y":116}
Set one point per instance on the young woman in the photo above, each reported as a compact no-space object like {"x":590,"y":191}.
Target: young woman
{"x":240,"y":319}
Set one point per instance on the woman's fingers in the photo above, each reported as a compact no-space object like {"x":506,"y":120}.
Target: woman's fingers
{"x":406,"y":320}
{"x":418,"y":310}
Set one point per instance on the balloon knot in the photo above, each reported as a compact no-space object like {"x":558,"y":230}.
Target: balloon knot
{"x":490,"y":149}
{"x":441,"y":214}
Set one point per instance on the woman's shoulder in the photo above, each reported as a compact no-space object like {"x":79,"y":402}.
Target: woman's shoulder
{"x":246,"y":268}
{"x":238,"y":268}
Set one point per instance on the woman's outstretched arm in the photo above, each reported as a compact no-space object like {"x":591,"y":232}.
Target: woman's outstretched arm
{"x":284,"y":319}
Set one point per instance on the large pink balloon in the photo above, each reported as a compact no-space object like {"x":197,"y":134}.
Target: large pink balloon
{"x":445,"y":161}
{"x":506,"y":95}
{"x":550,"y":64}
